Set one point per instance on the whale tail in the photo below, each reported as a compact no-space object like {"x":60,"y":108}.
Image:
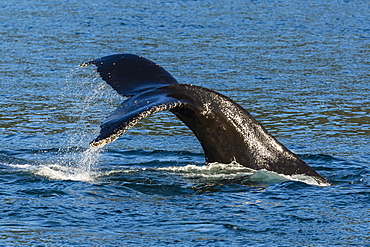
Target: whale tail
{"x":130,"y":74}
{"x":226,"y":131}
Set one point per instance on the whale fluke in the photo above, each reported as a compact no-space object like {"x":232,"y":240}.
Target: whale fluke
{"x":227,"y":132}
{"x":130,"y":74}
{"x":131,"y":111}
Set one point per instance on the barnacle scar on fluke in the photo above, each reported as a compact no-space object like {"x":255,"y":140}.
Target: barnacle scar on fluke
{"x":227,"y":132}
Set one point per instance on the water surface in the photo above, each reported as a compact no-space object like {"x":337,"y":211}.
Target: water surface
{"x":300,"y":67}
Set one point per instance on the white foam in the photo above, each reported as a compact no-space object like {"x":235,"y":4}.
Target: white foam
{"x":306,"y":179}
{"x":273,"y":177}
{"x":79,"y":166}
{"x":211,"y":168}
{"x":212,"y":172}
{"x":23,"y":166}
{"x":219,"y":171}
{"x":56,"y":172}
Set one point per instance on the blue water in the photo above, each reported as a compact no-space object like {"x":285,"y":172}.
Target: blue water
{"x":300,"y":67}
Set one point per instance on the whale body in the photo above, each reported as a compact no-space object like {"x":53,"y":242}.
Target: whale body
{"x":227,"y":132}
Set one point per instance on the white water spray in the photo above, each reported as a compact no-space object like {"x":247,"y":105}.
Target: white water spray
{"x":84,"y":101}
{"x":80,"y":167}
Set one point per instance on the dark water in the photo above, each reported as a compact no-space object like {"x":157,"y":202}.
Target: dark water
{"x":300,"y":67}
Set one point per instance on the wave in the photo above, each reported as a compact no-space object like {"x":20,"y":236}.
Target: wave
{"x":234,"y":172}
{"x":85,"y":165}
{"x":79,"y":166}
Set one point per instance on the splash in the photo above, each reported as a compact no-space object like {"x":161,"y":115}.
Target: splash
{"x":210,"y":169}
{"x":212,"y":172}
{"x":88,"y":97}
{"x":234,"y":172}
{"x":83,"y":100}
{"x":79,"y":167}
{"x":264,"y":176}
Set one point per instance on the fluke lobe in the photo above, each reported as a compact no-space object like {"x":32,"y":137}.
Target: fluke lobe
{"x":226,"y":131}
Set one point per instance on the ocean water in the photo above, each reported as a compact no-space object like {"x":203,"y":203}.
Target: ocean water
{"x":300,"y":67}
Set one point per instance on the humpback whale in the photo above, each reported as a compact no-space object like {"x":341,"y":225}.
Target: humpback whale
{"x":227,"y":132}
